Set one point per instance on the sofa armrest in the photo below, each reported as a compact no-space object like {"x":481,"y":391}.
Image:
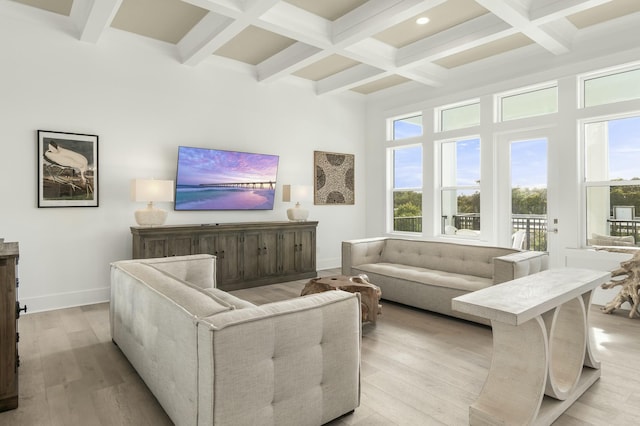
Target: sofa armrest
{"x":517,"y":265}
{"x":359,"y":252}
{"x":290,"y":362}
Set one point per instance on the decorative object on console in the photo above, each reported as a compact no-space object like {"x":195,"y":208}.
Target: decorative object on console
{"x":67,"y":169}
{"x":298,"y":193}
{"x":150,"y":190}
{"x":334,"y":181}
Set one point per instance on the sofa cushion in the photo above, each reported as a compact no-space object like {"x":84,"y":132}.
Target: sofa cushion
{"x":190,"y":298}
{"x":221,"y":297}
{"x":447,"y":257}
{"x":199,"y":270}
{"x":229,"y":299}
{"x":428,"y":276}
{"x":608,"y":240}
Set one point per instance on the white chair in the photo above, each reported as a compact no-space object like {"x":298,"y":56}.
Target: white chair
{"x":518,"y":238}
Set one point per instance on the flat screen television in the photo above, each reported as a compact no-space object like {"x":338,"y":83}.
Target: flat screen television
{"x":213,"y":179}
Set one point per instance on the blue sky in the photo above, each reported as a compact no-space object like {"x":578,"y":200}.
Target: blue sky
{"x":528,"y":158}
{"x":624,"y":148}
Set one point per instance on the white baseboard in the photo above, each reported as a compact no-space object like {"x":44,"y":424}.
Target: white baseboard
{"x":50,"y":302}
{"x":328,"y":263}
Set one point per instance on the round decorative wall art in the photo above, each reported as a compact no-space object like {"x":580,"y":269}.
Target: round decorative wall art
{"x":334,"y":178}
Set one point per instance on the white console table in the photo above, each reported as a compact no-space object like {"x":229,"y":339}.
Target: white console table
{"x":543,"y":355}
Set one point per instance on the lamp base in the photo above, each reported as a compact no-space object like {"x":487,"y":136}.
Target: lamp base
{"x":150,"y":216}
{"x":297,"y":213}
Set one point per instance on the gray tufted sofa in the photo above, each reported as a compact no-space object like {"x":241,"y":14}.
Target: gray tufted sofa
{"x":211,"y":358}
{"x":428,"y":274}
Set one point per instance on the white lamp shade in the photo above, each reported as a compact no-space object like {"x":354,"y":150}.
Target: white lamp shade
{"x":149,"y":190}
{"x":300,"y":193}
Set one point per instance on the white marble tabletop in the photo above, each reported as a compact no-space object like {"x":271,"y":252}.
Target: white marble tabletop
{"x":515,"y":302}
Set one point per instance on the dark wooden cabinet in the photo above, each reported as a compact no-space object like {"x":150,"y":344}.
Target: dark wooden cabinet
{"x":226,"y":247}
{"x":9,"y":313}
{"x":260,"y":255}
{"x":299,"y":250}
{"x":247,"y":254}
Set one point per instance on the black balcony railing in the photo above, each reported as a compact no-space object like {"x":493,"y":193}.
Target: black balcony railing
{"x":623,"y":228}
{"x":407,"y":224}
{"x":535,"y":226}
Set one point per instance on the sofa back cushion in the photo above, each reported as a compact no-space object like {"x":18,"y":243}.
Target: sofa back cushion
{"x":198,"y":269}
{"x":188,"y":297}
{"x":448,"y":257}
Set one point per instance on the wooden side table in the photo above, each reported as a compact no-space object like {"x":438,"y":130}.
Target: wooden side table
{"x":370,"y":294}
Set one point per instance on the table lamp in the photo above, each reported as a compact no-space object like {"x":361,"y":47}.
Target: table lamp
{"x":148,"y":191}
{"x":297,"y":193}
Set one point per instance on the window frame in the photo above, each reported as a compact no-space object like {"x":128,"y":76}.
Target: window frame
{"x":437,"y":114}
{"x":392,"y":189}
{"x":442,"y":188}
{"x":587,"y":184}
{"x":391,"y":126}
{"x":605,"y":72}
{"x":499,"y":97}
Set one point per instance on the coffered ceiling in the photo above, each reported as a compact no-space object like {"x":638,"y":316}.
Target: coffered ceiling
{"x":339,"y":45}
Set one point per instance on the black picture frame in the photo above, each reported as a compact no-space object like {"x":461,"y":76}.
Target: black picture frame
{"x":67,"y":169}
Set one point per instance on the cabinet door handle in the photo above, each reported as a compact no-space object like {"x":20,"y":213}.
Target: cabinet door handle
{"x":18,"y":309}
{"x":222,"y":254}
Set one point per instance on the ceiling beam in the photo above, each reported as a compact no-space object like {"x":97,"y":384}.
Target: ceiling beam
{"x":549,"y":10}
{"x":428,"y":74}
{"x":205,"y":37}
{"x":290,"y":21}
{"x":217,"y":28}
{"x":92,"y":17}
{"x":349,"y":78}
{"x":349,"y":36}
{"x":375,"y":16}
{"x":476,"y":32}
{"x":555,"y":36}
{"x":230,"y":8}
{"x":288,"y":61}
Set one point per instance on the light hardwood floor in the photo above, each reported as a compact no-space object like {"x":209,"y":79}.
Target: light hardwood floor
{"x":418,"y":368}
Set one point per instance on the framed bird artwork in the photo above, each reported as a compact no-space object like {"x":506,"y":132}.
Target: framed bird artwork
{"x":67,"y":169}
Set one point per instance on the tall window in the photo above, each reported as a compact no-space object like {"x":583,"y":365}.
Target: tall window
{"x":407,"y":188}
{"x":529,"y":192}
{"x":460,"y":166}
{"x":612,"y":180}
{"x":406,"y":127}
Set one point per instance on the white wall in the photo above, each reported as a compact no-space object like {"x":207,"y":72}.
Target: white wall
{"x":142,"y":103}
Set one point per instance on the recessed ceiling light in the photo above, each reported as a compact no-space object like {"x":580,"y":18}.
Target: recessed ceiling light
{"x":422,"y":20}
